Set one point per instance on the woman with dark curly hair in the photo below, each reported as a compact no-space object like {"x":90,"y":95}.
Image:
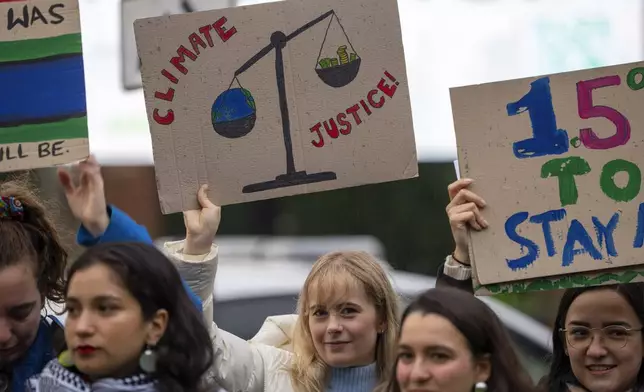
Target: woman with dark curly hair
{"x":130,"y":326}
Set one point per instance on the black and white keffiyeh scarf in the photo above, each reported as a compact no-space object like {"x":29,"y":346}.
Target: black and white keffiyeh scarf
{"x":57,"y":378}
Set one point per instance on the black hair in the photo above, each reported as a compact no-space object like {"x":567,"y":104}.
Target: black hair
{"x":560,"y":374}
{"x":484,"y":332}
{"x":184,"y":352}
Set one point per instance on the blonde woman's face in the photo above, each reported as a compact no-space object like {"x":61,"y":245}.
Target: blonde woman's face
{"x":345,"y":329}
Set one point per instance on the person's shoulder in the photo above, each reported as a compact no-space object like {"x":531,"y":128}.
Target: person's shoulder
{"x":58,"y":376}
{"x":57,"y":331}
{"x":277,"y":331}
{"x":274,"y":341}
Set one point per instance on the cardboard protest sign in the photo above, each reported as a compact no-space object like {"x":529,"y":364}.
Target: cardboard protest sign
{"x":276,"y":99}
{"x":557,"y":159}
{"x":43,"y":117}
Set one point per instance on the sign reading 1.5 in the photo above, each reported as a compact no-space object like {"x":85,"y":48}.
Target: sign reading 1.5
{"x":548,"y":139}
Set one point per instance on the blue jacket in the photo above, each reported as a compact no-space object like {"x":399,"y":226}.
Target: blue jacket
{"x":122,"y":228}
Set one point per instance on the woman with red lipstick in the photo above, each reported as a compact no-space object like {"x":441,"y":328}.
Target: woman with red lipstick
{"x":33,"y":260}
{"x":130,"y":326}
{"x":597,"y":342}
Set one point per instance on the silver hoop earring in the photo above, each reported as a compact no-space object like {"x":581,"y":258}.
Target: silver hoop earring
{"x":480,"y":387}
{"x":148,"y":360}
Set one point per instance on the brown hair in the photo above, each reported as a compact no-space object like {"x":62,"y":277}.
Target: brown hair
{"x":484,"y":332}
{"x":33,"y":238}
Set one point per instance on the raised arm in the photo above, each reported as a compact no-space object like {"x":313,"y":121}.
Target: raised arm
{"x":239,"y":365}
{"x":196,"y":257}
{"x":464,"y":212}
{"x":101,"y":223}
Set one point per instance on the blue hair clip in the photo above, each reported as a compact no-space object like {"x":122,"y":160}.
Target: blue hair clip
{"x":11,"y":208}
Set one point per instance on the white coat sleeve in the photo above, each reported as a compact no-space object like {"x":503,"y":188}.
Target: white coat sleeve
{"x":239,"y":365}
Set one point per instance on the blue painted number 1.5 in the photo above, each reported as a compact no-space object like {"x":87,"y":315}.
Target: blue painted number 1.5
{"x":546,"y":138}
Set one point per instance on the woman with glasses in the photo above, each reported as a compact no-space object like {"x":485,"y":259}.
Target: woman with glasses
{"x":597,"y":341}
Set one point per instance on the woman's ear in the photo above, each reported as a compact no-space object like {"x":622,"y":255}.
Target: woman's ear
{"x":157,"y":327}
{"x":483,"y":368}
{"x":382,"y":327}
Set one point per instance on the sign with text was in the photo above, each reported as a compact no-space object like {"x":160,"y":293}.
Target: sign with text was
{"x":43,"y":115}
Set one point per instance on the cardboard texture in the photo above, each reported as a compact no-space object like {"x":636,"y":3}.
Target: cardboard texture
{"x":276,"y":100}
{"x":43,"y":115}
{"x":557,"y":160}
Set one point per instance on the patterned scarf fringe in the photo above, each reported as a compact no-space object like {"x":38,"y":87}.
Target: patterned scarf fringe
{"x":56,"y":378}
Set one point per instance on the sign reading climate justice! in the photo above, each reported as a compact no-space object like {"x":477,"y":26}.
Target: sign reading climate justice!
{"x":276,"y":99}
{"x":558,"y":160}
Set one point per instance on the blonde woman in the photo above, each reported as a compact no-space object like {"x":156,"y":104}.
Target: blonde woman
{"x":343,"y":338}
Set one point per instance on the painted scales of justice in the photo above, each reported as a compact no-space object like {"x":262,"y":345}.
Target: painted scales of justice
{"x":234,"y":111}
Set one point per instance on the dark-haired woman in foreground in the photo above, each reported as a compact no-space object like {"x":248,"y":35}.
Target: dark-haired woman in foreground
{"x":450,"y":341}
{"x":597,"y":341}
{"x":33,"y":261}
{"x":131,"y":326}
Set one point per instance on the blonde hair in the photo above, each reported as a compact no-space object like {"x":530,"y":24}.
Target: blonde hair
{"x":308,"y":371}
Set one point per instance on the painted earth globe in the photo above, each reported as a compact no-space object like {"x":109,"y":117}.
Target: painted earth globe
{"x":234,"y":113}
